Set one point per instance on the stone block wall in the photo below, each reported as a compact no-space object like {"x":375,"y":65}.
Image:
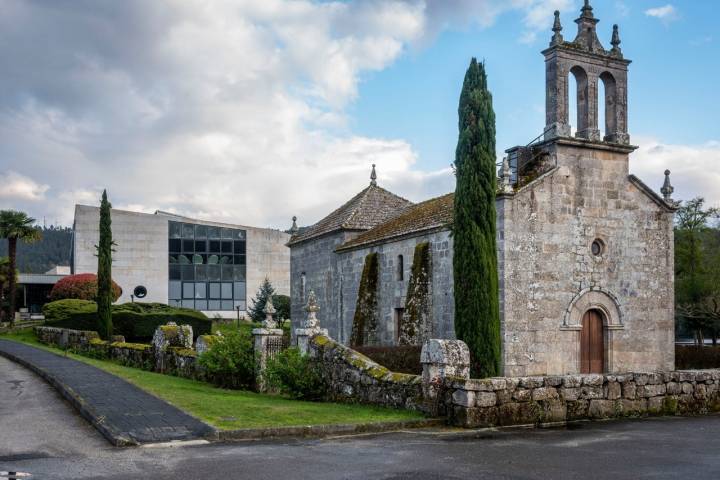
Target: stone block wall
{"x":546,"y":399}
{"x":65,"y":337}
{"x":352,"y":377}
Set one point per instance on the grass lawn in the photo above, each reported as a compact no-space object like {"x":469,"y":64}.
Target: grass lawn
{"x":233,"y":409}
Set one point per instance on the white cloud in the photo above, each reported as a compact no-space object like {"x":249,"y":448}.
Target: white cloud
{"x":695,"y":169}
{"x":14,"y":186}
{"x":665,"y":13}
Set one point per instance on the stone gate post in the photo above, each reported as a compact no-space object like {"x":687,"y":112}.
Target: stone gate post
{"x":311,"y":327}
{"x":442,"y":359}
{"x":267,"y":340}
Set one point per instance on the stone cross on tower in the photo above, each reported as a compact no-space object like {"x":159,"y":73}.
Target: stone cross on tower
{"x":589,"y":63}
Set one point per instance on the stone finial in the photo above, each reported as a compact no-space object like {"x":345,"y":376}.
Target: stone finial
{"x":506,"y":180}
{"x":615,"y":42}
{"x":294,"y":229}
{"x":311,"y":308}
{"x":587,"y":11}
{"x":667,"y":189}
{"x":557,"y":28}
{"x":373,"y":176}
{"x":269,"y":311}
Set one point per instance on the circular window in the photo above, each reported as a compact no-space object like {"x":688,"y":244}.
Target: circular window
{"x":140,"y":291}
{"x":598,"y":247}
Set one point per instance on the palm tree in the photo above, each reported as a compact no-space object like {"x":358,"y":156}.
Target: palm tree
{"x":16,"y":226}
{"x":4,"y":281}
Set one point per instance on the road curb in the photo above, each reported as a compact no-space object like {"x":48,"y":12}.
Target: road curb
{"x":86,"y":411}
{"x":319,"y":431}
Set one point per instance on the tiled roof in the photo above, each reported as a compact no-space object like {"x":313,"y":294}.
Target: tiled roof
{"x":431,"y":214}
{"x":369,"y":208}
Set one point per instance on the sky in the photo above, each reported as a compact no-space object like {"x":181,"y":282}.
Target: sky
{"x":251,"y":112}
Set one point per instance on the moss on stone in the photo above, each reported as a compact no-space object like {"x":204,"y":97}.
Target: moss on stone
{"x":415,"y":325}
{"x":322,"y":340}
{"x":131,"y":346}
{"x":183,"y":352}
{"x":365,"y":320}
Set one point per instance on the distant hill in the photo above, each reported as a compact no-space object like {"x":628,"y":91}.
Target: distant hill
{"x":39,"y":257}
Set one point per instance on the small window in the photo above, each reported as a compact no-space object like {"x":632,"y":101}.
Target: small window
{"x":188,"y":290}
{"x":200,"y":231}
{"x":400,"y":268}
{"x":188,"y":230}
{"x":598,"y":247}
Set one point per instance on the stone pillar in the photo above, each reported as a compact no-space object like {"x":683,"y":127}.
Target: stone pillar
{"x":262,"y":337}
{"x":310,"y":327}
{"x":442,"y":359}
{"x":170,"y":335}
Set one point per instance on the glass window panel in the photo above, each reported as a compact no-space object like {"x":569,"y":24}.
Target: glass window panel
{"x":175,"y":229}
{"x":188,"y":290}
{"x":188,"y":272}
{"x":201,"y":305}
{"x":214,"y":246}
{"x":188,"y":303}
{"x":225,"y":260}
{"x":240,"y":304}
{"x":238,"y":247}
{"x":227,"y":247}
{"x":214,"y":305}
{"x":174,"y":245}
{"x":188,"y":230}
{"x":227,"y":272}
{"x":226,"y":291}
{"x":183,"y":260}
{"x":239,"y":259}
{"x":200,"y":290}
{"x":188,"y":246}
{"x":214,"y":290}
{"x":213,"y":259}
{"x":227,"y":233}
{"x":239,"y":273}
{"x":175,"y":290}
{"x":200,"y":231}
{"x":198,"y":259}
{"x":175,"y":272}
{"x":201,"y":246}
{"x":172,"y":259}
{"x":227,"y":305}
{"x":175,"y":303}
{"x":239,"y":288}
{"x":213,"y":232}
{"x":239,"y":234}
{"x":213,"y":272}
{"x":201,"y":272}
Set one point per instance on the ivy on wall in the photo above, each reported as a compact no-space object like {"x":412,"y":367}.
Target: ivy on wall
{"x":365,"y":321}
{"x":416,"y":323}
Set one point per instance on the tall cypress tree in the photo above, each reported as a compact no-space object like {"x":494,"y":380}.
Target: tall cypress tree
{"x":477,"y":317}
{"x":104,"y":273}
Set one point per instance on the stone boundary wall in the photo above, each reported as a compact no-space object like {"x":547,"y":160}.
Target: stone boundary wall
{"x":65,"y":337}
{"x":534,"y":400}
{"x":353,"y":377}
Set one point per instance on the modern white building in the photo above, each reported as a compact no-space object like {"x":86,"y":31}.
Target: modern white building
{"x":209,"y":266}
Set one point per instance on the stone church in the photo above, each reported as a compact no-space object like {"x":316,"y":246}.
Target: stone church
{"x":585,"y":249}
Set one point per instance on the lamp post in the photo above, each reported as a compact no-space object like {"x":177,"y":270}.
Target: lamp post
{"x":237,"y":307}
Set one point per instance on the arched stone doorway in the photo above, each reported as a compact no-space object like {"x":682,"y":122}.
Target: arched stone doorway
{"x":592,"y":342}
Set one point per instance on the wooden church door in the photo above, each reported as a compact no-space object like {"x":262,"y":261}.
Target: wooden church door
{"x":592,"y":343}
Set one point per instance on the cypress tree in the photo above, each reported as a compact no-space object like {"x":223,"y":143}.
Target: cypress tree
{"x":265,"y":293}
{"x":477,"y":317}
{"x":104,"y":273}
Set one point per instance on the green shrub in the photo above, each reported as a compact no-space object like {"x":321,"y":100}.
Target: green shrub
{"x":282,"y":306}
{"x":135,"y":321}
{"x":230,"y":361}
{"x":296,"y":375}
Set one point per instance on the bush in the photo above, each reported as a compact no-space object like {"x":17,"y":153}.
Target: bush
{"x":282,"y":306}
{"x":688,"y":357}
{"x":230,"y":361}
{"x":399,"y":359}
{"x":81,"y":287}
{"x":295,"y":375}
{"x":135,"y":321}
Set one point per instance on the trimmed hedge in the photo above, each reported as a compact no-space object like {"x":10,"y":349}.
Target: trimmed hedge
{"x":82,"y":286}
{"x":399,"y":359}
{"x":690,"y":357}
{"x":135,"y":321}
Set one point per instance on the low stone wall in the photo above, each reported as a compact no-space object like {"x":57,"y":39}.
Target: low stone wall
{"x":65,"y":337}
{"x":535,"y":400}
{"x":352,"y":377}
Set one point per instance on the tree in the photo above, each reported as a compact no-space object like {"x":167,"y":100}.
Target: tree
{"x":697,"y":269}
{"x":4,"y":284}
{"x":16,"y":226}
{"x":105,"y":296}
{"x":81,"y":286}
{"x":266,"y":291}
{"x":477,"y":317}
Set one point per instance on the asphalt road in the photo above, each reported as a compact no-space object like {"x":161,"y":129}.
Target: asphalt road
{"x":40,"y":434}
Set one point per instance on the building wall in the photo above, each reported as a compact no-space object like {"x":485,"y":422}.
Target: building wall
{"x":391,"y":291}
{"x":141,"y":254}
{"x":549,"y":276}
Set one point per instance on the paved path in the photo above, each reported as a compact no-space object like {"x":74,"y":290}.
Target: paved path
{"x":123,"y":413}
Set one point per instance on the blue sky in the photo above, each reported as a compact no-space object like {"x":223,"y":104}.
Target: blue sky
{"x":672,"y":89}
{"x":251,"y":112}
